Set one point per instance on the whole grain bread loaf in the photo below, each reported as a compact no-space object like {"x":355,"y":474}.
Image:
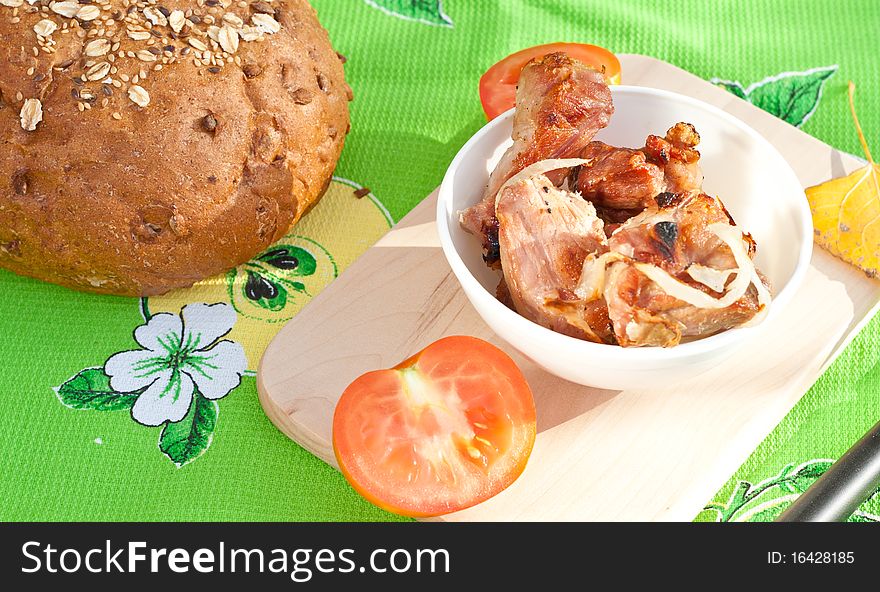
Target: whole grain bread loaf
{"x":145,"y":145}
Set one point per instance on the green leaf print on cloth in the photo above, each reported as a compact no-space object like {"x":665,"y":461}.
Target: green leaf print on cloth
{"x":183,"y":367}
{"x":186,"y":439}
{"x":90,"y":389}
{"x":765,"y":501}
{"x":791,"y":96}
{"x":429,"y":12}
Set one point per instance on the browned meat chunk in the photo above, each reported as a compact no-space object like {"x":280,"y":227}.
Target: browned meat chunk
{"x":618,"y":178}
{"x":674,"y":235}
{"x":561,"y":104}
{"x":676,"y":154}
{"x":545,"y":235}
{"x":643,"y":314}
{"x":623,"y":181}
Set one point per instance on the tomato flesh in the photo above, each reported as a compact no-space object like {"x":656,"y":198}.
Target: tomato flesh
{"x":498,"y":84}
{"x":444,"y":430}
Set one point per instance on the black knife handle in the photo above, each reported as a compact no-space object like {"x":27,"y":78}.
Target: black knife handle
{"x":843,"y":488}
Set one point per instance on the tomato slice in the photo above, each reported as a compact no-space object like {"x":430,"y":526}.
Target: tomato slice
{"x":444,"y":430}
{"x":498,"y":84}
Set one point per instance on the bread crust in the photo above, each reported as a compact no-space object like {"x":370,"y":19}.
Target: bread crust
{"x":110,"y":196}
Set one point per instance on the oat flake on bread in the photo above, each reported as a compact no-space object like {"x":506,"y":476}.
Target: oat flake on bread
{"x":115,"y":177}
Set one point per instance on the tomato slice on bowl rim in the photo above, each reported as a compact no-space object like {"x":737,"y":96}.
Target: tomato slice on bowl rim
{"x":498,"y":84}
{"x":446,"y":429}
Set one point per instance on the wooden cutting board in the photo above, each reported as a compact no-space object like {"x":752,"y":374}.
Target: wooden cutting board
{"x":599,"y":454}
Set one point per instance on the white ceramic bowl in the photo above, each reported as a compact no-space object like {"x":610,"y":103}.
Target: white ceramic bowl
{"x":740,"y":166}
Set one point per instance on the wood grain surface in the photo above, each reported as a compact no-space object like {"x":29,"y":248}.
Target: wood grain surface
{"x":599,"y":455}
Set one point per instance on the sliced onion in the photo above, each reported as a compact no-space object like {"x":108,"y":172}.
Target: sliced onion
{"x":709,"y":276}
{"x":691,"y":295}
{"x":733,"y":236}
{"x":592,"y":281}
{"x":539,"y":168}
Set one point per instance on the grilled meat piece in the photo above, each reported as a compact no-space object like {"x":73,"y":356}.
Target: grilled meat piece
{"x":545,"y":235}
{"x":673,"y":235}
{"x":618,"y":178}
{"x":643,"y":314}
{"x":624,"y":181}
{"x":676,"y":154}
{"x":561,"y":104}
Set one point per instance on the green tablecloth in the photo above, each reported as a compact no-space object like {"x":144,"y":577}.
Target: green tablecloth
{"x":77,"y":453}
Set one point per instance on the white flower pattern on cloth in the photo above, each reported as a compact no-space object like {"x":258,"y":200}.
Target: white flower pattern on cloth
{"x":181,"y":353}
